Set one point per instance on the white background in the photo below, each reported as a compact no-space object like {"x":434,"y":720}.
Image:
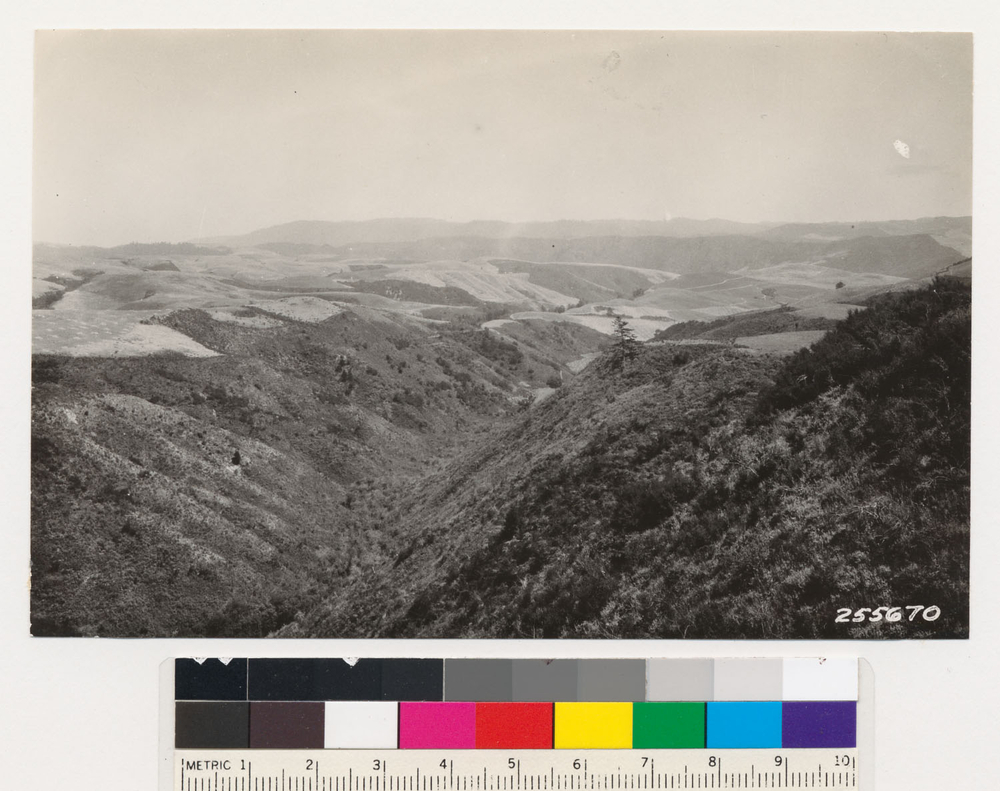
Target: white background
{"x":82,"y":714}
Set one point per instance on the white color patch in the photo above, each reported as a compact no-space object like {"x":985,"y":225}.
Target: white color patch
{"x":901,"y":148}
{"x":361,"y":724}
{"x":819,"y":679}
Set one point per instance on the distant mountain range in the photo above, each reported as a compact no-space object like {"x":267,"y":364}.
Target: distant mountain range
{"x":957,"y":230}
{"x":336,"y":234}
{"x":919,"y":255}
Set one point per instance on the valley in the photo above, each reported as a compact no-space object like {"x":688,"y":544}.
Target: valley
{"x":417,"y":428}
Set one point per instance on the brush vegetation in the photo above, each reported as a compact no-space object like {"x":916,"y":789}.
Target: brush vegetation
{"x":706,"y":492}
{"x":368,"y":475}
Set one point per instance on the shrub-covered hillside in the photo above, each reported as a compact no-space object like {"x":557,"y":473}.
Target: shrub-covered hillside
{"x":222,"y":495}
{"x":705,"y":492}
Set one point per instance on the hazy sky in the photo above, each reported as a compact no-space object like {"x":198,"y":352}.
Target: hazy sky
{"x":172,"y":135}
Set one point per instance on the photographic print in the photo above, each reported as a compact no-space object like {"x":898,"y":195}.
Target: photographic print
{"x":508,"y":334}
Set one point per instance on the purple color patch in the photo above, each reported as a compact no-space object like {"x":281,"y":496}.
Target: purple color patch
{"x":819,"y":724}
{"x":435,"y":725}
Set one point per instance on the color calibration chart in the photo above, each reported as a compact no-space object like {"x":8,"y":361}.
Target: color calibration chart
{"x":513,"y":724}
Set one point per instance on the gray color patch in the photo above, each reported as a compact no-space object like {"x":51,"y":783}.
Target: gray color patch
{"x":680,"y":679}
{"x":477,"y":679}
{"x":611,"y":680}
{"x":545,"y":679}
{"x":748,"y":679}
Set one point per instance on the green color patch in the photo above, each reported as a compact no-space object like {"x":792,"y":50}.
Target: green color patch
{"x":668,"y":725}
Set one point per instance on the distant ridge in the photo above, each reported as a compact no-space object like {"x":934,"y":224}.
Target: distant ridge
{"x":954,"y":232}
{"x":917,"y":255}
{"x":336,"y":234}
{"x":852,"y":230}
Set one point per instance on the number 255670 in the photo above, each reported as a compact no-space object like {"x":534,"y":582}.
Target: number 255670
{"x":888,"y":614}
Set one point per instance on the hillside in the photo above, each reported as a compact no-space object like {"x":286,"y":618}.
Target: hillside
{"x":173,"y":495}
{"x":422,"y":437}
{"x":704,"y":492}
{"x":730,"y":328}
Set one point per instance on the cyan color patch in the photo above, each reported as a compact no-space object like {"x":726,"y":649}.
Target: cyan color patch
{"x":743,"y":724}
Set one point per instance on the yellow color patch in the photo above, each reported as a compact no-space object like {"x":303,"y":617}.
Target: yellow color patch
{"x":599,"y":726}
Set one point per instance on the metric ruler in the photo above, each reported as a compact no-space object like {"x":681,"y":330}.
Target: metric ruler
{"x":513,"y":770}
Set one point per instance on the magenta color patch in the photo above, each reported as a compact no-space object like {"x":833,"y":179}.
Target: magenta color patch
{"x":435,"y":725}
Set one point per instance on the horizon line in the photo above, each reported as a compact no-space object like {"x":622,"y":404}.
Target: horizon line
{"x":772,"y":223}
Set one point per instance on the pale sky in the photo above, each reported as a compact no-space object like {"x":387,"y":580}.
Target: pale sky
{"x":172,"y":135}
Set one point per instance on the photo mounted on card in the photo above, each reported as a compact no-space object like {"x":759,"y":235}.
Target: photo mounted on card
{"x":509,"y":334}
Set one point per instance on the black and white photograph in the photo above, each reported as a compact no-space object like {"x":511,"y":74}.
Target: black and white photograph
{"x":501,"y":334}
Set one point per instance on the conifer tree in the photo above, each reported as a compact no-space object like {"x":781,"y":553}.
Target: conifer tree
{"x":626,"y":347}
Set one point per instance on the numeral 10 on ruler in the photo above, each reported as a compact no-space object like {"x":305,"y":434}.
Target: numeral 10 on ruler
{"x":517,"y":770}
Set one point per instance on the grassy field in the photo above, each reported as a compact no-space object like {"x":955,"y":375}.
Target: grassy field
{"x":106,"y":334}
{"x":781,"y":342}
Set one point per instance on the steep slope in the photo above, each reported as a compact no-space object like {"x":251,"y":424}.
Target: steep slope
{"x":705,"y":492}
{"x":180,"y":496}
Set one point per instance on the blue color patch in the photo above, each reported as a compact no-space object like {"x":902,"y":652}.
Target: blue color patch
{"x":743,"y":724}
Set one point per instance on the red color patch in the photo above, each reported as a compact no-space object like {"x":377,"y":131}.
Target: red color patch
{"x":513,"y":726}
